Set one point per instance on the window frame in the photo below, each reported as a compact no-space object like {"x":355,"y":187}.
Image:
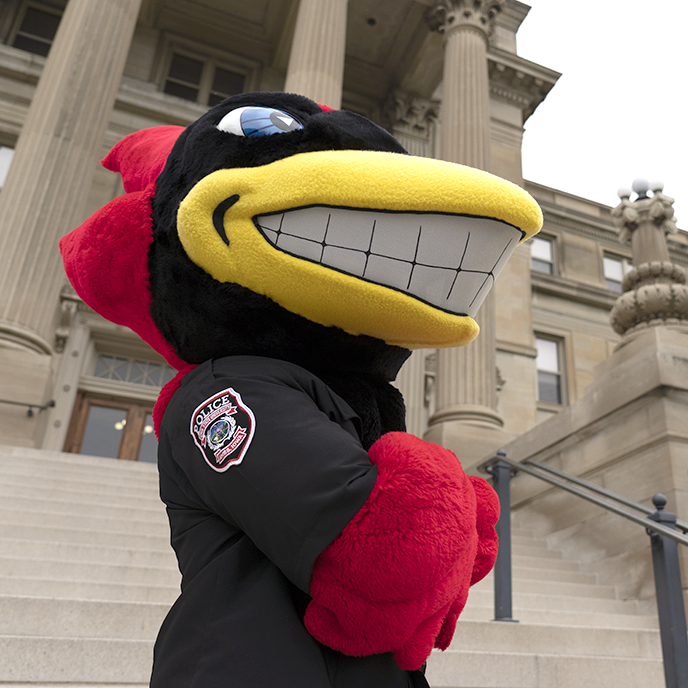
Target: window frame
{"x":47,"y":8}
{"x":626,"y":264}
{"x":211,"y":58}
{"x":561,"y":350}
{"x":552,"y":263}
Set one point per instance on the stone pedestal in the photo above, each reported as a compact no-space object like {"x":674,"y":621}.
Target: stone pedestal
{"x":316,"y":61}
{"x":45,"y":191}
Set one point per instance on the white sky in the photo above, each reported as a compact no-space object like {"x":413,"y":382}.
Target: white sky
{"x":619,"y":110}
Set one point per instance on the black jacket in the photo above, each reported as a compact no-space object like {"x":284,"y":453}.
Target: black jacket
{"x":261,"y":467}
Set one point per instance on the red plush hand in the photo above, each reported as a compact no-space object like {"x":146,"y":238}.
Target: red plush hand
{"x":397,"y":577}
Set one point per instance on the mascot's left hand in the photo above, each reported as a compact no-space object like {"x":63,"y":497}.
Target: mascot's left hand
{"x":397,"y":577}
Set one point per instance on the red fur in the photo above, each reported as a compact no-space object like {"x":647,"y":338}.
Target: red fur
{"x":106,"y":260}
{"x":141,"y":156}
{"x":397,"y":577}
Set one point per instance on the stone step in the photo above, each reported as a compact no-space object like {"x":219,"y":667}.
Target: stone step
{"x":84,"y":507}
{"x":552,"y":587}
{"x":521,"y":532}
{"x":548,"y":563}
{"x":535,"y":551}
{"x":596,"y":618}
{"x":591,"y":641}
{"x":552,"y":602}
{"x":77,"y":497}
{"x":96,"y":661}
{"x":157,"y":525}
{"x":528,"y":540}
{"x":81,"y":479}
{"x":565,"y":576}
{"x":62,"y":464}
{"x":495,"y":669}
{"x":70,"y":618}
{"x":22,"y":567}
{"x":89,"y":590}
{"x":75,"y":552}
{"x":86,"y":536}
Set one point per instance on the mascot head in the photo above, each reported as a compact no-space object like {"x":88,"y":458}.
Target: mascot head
{"x":274,"y":226}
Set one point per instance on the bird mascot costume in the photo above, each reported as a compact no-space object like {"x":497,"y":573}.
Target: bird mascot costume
{"x":285,"y":258}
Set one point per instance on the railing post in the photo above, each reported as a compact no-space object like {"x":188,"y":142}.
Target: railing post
{"x":501,"y":477}
{"x":672,"y":616}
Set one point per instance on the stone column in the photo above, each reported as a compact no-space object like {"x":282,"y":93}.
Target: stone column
{"x":466,"y":420}
{"x":45,"y":192}
{"x":316,"y":60}
{"x":55,"y":159}
{"x":655,"y":291}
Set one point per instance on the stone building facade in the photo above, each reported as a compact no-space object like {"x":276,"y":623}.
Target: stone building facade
{"x":444,"y":76}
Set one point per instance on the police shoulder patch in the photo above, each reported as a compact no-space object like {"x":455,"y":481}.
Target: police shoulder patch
{"x":222,"y":428}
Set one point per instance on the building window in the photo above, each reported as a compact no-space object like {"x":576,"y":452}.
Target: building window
{"x":111,"y":429}
{"x":614,"y":271}
{"x":6,"y":155}
{"x":133,"y":370}
{"x":202,"y":81}
{"x":37,"y":30}
{"x":542,"y":255}
{"x":549,"y":375}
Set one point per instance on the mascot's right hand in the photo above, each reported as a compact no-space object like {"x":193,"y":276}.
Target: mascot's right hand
{"x":397,"y":577}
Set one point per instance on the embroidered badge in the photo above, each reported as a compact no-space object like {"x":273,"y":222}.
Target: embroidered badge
{"x":222,"y":428}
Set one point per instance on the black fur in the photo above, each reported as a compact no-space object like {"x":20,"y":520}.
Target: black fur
{"x":204,"y":318}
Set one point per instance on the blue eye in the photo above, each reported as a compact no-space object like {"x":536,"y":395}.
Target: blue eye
{"x":258,"y":121}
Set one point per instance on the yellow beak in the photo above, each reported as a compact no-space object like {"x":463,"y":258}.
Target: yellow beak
{"x":392,"y":246}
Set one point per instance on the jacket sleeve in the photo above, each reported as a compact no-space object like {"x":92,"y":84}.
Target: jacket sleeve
{"x":300,"y":479}
{"x":397,"y":577}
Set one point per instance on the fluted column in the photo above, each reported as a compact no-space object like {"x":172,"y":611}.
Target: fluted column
{"x":55,"y":159}
{"x":466,"y":383}
{"x":316,"y":61}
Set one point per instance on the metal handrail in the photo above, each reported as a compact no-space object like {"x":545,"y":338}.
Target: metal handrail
{"x":531,"y":468}
{"x":681,"y":525}
{"x":664,"y":540}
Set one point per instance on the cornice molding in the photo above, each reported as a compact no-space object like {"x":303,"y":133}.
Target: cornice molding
{"x":512,"y":15}
{"x":572,"y":291}
{"x":587,"y":227}
{"x":519,"y":81}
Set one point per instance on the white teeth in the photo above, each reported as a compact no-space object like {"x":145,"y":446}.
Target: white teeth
{"x":448,"y":261}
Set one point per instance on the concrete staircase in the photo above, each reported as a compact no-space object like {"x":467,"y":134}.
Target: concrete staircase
{"x":87,"y":576}
{"x":86,"y":570}
{"x":572,"y":631}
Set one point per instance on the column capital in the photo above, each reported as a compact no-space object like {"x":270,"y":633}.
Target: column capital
{"x":447,"y":16}
{"x":411,"y":114}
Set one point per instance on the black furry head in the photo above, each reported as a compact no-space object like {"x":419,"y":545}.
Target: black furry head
{"x":204,"y":318}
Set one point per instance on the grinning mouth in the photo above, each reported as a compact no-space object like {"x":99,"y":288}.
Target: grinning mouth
{"x":447,"y":261}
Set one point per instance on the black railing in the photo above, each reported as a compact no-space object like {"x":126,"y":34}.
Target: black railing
{"x":29,"y":407}
{"x":660,"y":525}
